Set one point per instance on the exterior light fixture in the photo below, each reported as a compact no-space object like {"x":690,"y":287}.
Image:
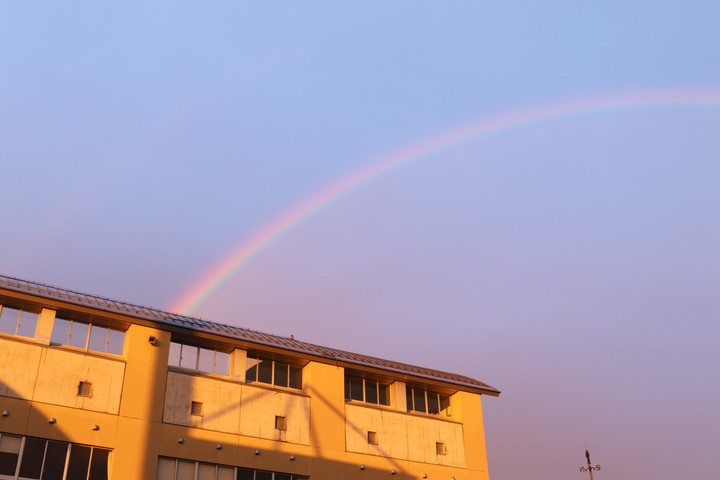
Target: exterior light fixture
{"x":393,"y":471}
{"x":257,"y":452}
{"x":52,"y":420}
{"x":219,"y":446}
{"x":424,"y":475}
{"x":292,"y":457}
{"x":152,"y":340}
{"x":5,"y":413}
{"x":181,"y":440}
{"x":96,"y":427}
{"x":362,"y":467}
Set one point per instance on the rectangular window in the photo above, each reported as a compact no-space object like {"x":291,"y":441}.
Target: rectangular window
{"x":177,"y":469}
{"x":84,"y":389}
{"x":372,"y":438}
{"x":18,"y":322}
{"x":268,"y":371}
{"x":280,"y":423}
{"x":9,"y":454}
{"x":87,"y":336}
{"x":196,"y":408}
{"x":363,"y":390}
{"x":50,"y":459}
{"x":198,"y":359}
{"x":423,"y":401}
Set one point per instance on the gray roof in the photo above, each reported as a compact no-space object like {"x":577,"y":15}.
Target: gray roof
{"x":237,"y":333}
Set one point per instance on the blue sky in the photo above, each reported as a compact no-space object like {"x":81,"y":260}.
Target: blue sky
{"x":572,"y":265}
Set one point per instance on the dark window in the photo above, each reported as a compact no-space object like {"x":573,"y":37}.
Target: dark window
{"x":79,"y":461}
{"x":251,"y":372}
{"x":32,"y":459}
{"x":371,"y":395}
{"x":383,"y":394}
{"x":99,"y":464}
{"x":419,"y":400}
{"x":282,"y":476}
{"x":263,"y":475}
{"x":427,"y":402}
{"x":245,"y":474}
{"x":356,"y":389}
{"x":265,"y":371}
{"x":9,"y":454}
{"x":295,"y":377}
{"x":281,"y":374}
{"x":432,"y":403}
{"x":54,"y":460}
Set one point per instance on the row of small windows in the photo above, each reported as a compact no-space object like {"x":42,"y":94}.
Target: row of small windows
{"x":367,"y":391}
{"x":440,"y":447}
{"x":423,"y":401}
{"x":37,"y":458}
{"x":177,"y":469}
{"x":71,"y":333}
{"x":273,"y":373}
{"x":18,"y":322}
{"x":199,"y":359}
{"x":87,"y":336}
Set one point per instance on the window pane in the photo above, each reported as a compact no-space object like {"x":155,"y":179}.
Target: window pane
{"x":55,"y":460}
{"x":295,"y":377}
{"x":28,"y":324}
{"x":432,"y":403}
{"x":222,"y":363}
{"x":165,"y":471}
{"x":8,"y":320}
{"x":356,"y":389}
{"x":174,"y":358}
{"x":445,"y":405}
{"x":281,"y":374}
{"x":371,"y":392}
{"x":419,"y":401}
{"x":383,"y":394}
{"x":225,"y":473}
{"x":282,"y":476}
{"x":116,"y":341}
{"x":185,"y":470}
{"x":245,"y":474}
{"x":188,"y":357}
{"x":9,"y":454}
{"x":60,"y":332}
{"x":265,"y":371}
{"x":79,"y":462}
{"x":78,"y":334}
{"x":32,"y":458}
{"x":206,"y":472}
{"x":251,"y":372}
{"x":263,"y":475}
{"x":408,"y":396}
{"x":99,"y":464}
{"x":98,"y":338}
{"x":206,"y":360}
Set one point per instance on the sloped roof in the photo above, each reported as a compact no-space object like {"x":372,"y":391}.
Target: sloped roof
{"x":233,"y":332}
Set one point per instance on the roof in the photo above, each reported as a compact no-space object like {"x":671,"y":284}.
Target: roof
{"x":237,"y":333}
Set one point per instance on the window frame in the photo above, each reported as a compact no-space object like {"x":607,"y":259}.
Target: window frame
{"x":218,"y":369}
{"x":88,"y":344}
{"x":444,"y":408}
{"x":292,"y":371}
{"x":349,"y":378}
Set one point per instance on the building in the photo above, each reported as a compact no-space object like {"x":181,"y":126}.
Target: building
{"x":100,"y":389}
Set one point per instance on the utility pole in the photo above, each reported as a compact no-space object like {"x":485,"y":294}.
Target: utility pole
{"x":589,"y":467}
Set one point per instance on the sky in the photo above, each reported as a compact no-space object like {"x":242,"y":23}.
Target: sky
{"x":570,"y":261}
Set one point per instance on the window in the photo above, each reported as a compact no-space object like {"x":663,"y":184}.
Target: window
{"x":196,"y":408}
{"x":372,"y":438}
{"x":176,"y":469}
{"x":440,"y":448}
{"x":34,"y":458}
{"x":424,"y":401}
{"x":18,"y":322}
{"x":87,"y":336}
{"x":84,"y":389}
{"x":199,"y":359}
{"x":274,"y":373}
{"x":367,"y":391}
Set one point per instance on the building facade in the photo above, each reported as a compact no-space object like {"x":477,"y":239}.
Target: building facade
{"x":92,"y":388}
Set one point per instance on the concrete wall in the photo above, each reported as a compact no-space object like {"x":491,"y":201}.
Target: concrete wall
{"x":403,"y":436}
{"x":236,"y":408}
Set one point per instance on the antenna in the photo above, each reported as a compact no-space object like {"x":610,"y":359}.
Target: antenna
{"x":589,"y":467}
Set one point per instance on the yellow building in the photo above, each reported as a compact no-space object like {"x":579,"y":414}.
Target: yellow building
{"x":92,"y":388}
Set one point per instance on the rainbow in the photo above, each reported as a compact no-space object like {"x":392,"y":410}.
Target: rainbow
{"x":504,"y":123}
